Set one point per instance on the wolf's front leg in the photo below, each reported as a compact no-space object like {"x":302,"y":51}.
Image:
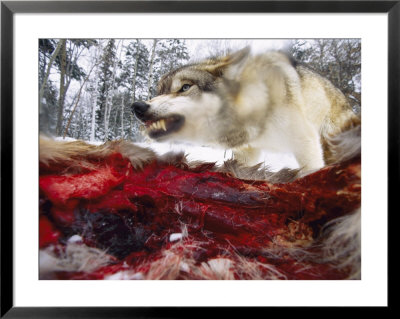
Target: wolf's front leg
{"x":308,"y":150}
{"x":310,"y":160}
{"x":247,"y":155}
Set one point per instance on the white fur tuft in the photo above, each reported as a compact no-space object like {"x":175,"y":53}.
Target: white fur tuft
{"x":342,"y":243}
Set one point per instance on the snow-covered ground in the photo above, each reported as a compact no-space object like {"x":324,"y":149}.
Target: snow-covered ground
{"x":274,"y":161}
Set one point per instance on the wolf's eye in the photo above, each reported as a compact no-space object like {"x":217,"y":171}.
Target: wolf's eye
{"x":185,"y":87}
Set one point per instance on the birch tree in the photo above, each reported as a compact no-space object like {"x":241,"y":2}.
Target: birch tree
{"x":78,"y":98}
{"x":105,"y":81}
{"x":62,"y":91}
{"x":133,"y":84}
{"x":46,"y":75}
{"x":48,"y":93}
{"x":64,"y":59}
{"x":151,"y":75}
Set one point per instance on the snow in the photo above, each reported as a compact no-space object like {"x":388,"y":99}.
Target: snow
{"x":71,"y":139}
{"x":274,"y":161}
{"x":193,"y":152}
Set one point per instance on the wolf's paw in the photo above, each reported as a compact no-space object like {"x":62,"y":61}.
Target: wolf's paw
{"x":247,"y":156}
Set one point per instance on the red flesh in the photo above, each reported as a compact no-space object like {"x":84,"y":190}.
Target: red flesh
{"x":224,"y":213}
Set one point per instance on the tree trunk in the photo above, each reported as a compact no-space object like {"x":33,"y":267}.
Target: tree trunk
{"x":106,"y":116}
{"x":150,"y":83}
{"x":122,"y":116}
{"x":135,"y":74}
{"x":46,"y":77}
{"x":108,"y":106}
{"x":78,"y":98}
{"x":93,"y":123}
{"x":62,"y":88}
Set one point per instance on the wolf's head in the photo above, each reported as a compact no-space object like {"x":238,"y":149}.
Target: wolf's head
{"x":190,"y":99}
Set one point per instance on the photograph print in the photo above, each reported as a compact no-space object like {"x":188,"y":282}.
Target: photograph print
{"x":199,"y":159}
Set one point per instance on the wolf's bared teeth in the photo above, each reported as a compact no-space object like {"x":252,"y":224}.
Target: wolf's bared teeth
{"x":157,"y":129}
{"x":159,"y":125}
{"x":163,"y":126}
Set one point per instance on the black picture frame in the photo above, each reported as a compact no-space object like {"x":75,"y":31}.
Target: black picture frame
{"x":9,"y":8}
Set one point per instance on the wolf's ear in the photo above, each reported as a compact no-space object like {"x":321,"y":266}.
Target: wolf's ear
{"x":230,"y":65}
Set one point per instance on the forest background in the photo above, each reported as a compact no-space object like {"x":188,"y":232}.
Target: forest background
{"x":87,"y":86}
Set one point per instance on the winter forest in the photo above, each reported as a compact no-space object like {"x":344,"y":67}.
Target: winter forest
{"x":86,"y":86}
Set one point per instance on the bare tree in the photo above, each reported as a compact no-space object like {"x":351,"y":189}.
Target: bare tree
{"x":46,"y":77}
{"x":78,"y":98}
{"x":108,"y":105}
{"x":151,"y":75}
{"x":61,"y":98}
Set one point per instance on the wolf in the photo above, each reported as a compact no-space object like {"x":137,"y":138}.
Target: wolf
{"x":249,"y":104}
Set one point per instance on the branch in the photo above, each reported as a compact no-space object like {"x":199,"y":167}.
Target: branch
{"x":52,"y":59}
{"x":78,"y":98}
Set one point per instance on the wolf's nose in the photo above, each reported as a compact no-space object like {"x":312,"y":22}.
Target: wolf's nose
{"x":140,"y":108}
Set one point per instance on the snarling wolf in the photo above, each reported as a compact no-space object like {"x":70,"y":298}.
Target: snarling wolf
{"x":249,"y":104}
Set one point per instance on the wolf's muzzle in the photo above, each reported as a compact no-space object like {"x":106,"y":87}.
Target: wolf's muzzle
{"x":140,"y":108}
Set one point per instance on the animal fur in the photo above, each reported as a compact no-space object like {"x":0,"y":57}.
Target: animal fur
{"x":249,"y":104}
{"x":339,"y":242}
{"x":79,"y":153}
